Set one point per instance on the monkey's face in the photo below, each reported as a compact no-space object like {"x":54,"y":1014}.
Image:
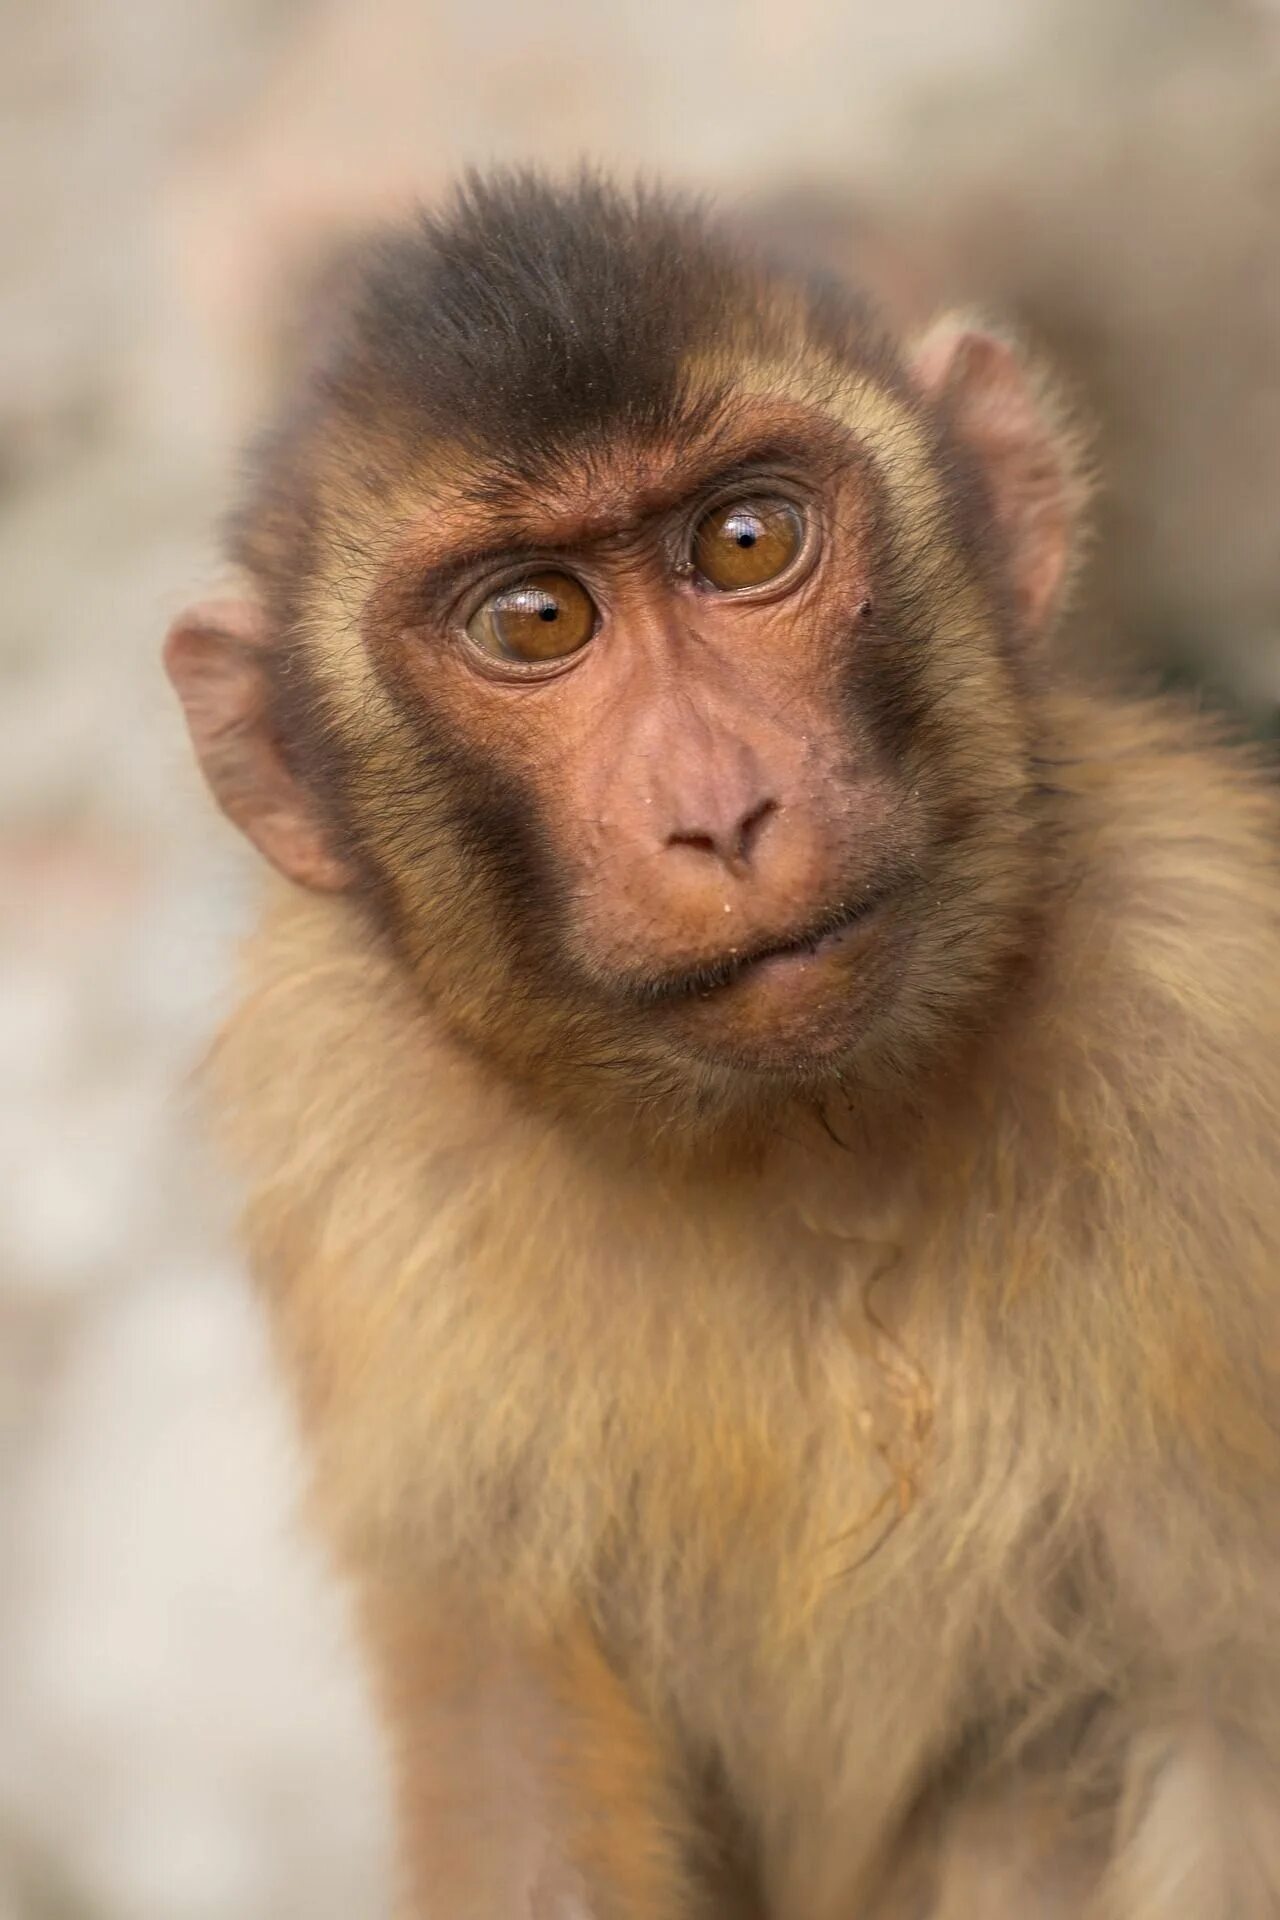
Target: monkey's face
{"x":705,"y":757}
{"x":691,"y":752}
{"x":655,"y":718}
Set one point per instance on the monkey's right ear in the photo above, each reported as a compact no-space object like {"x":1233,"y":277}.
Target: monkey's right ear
{"x":215,"y":655}
{"x":1009,"y":416}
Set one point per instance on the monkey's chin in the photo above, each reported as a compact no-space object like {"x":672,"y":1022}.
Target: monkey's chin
{"x":796,"y":1014}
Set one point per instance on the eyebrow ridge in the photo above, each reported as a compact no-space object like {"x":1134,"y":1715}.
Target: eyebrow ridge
{"x":512,"y":537}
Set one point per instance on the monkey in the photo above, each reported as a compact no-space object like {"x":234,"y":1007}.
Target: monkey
{"x":756,"y":1091}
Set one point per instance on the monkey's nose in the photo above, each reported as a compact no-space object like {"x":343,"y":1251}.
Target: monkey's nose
{"x":730,"y":840}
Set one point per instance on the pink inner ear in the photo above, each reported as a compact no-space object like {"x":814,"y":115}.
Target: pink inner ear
{"x":994,"y":408}
{"x":936,"y":355}
{"x":214,"y":657}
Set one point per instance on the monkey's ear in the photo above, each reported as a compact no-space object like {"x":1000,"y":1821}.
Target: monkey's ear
{"x":215,"y":655}
{"x":1012,"y":422}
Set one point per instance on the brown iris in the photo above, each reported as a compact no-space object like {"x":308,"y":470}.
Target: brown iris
{"x":747,"y":543}
{"x":542,"y":617}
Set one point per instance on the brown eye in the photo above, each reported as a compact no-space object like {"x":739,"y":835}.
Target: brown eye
{"x":746,"y":543}
{"x":541,"y":618}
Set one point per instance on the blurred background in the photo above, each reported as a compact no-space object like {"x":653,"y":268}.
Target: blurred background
{"x":182,"y":1731}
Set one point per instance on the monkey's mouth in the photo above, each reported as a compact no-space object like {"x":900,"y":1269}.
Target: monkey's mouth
{"x":824,"y":936}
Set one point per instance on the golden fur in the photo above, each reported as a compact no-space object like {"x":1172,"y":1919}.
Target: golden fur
{"x":674,"y":1397}
{"x":797,"y":1395}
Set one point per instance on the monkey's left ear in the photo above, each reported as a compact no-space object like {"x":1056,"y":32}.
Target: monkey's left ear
{"x":216,"y":656}
{"x":1011,"y":421}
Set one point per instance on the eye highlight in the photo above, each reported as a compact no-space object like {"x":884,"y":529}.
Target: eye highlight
{"x":543,"y":617}
{"x":747,"y":543}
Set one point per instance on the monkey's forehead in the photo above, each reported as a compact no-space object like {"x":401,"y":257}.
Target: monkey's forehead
{"x":372,"y":496}
{"x":453,"y":495}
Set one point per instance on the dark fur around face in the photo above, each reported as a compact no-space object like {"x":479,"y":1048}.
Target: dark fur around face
{"x":586,"y":359}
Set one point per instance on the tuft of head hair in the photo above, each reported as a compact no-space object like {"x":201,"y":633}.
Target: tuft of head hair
{"x":526,"y":320}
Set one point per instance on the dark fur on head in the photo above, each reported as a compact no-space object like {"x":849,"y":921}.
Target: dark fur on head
{"x":526,"y":321}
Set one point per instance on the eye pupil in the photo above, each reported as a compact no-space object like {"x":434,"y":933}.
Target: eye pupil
{"x":747,"y":543}
{"x":516,"y":622}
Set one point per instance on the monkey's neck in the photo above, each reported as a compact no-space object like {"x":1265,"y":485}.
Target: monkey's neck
{"x":334,"y":1066}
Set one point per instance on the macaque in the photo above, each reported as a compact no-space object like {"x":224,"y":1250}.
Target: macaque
{"x":758,"y":1096}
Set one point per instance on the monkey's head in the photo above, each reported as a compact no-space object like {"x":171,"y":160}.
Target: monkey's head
{"x":648,"y":644}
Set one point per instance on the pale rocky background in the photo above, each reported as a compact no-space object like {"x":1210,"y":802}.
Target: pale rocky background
{"x":182,"y":1732}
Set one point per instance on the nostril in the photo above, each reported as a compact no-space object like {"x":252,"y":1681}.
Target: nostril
{"x":698,"y":842}
{"x":750,"y":825}
{"x":733,"y":846}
